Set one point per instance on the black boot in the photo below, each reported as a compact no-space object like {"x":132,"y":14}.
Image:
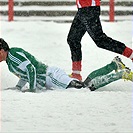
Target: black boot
{"x":75,"y":84}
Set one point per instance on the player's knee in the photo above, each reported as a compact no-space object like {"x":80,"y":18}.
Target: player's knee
{"x":70,"y":41}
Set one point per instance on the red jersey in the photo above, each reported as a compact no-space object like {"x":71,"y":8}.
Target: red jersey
{"x":86,"y":3}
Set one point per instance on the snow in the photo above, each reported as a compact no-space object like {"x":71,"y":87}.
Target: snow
{"x":108,"y":109}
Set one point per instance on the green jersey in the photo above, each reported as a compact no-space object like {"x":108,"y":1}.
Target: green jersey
{"x":27,"y":68}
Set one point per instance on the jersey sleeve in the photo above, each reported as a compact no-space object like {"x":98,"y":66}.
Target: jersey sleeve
{"x":25,"y":65}
{"x":31,"y":72}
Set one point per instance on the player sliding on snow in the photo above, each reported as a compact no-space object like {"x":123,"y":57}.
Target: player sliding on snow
{"x":40,"y":76}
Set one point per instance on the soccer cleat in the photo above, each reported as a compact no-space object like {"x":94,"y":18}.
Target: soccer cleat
{"x":119,"y":63}
{"x":76,"y":76}
{"x":127,"y":74}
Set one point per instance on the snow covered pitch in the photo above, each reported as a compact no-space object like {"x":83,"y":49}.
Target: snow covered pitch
{"x":108,"y":109}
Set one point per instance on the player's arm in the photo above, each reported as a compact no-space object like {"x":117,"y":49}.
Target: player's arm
{"x":31,"y":73}
{"x":25,"y":65}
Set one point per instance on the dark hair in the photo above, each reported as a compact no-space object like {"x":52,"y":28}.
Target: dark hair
{"x":3,"y":45}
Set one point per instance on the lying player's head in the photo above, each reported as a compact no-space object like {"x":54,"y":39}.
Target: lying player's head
{"x":3,"y":45}
{"x":4,"y":48}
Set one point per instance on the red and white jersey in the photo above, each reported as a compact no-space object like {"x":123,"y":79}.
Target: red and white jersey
{"x":86,"y":3}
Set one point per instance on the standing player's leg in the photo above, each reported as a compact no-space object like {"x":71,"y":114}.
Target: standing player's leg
{"x":94,"y":29}
{"x":75,"y":35}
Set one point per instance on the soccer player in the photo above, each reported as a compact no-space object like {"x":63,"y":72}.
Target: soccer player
{"x":87,"y":19}
{"x":42,"y":77}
